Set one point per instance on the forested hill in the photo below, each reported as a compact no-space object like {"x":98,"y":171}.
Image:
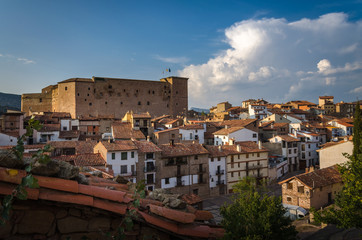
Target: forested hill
{"x":9,"y":101}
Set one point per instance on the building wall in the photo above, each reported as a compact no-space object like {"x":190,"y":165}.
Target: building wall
{"x":217,"y":178}
{"x":165,"y":137}
{"x":111,"y":97}
{"x":7,"y":140}
{"x":334,"y":154}
{"x":190,"y":135}
{"x":236,"y":167}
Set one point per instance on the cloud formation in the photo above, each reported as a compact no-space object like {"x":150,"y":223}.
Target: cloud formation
{"x":20,"y":59}
{"x":281,"y":61}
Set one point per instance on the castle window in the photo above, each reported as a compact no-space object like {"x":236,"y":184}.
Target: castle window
{"x":90,"y":104}
{"x":149,"y":91}
{"x":167,"y":105}
{"x":176,"y":104}
{"x":66,"y":88}
{"x":78,"y":94}
{"x":101,"y":94}
{"x":94,"y":90}
{"x":148,"y":103}
{"x":110,"y":86}
{"x":106,"y":102}
{"x":153,"y":92}
{"x":85,"y":100}
{"x":88,"y":94}
{"x":169,"y":91}
{"x":40,"y":100}
{"x":124,"y":90}
{"x":139,"y":103}
{"x":176,"y":92}
{"x":137,"y":91}
{"x":121,"y":103}
{"x":88,"y":88}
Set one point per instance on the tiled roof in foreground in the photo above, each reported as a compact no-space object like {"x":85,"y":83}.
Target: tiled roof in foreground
{"x":95,"y":195}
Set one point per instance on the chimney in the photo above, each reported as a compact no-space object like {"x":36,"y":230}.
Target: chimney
{"x":238,"y":148}
{"x":148,"y":139}
{"x":259,"y":144}
{"x":220,"y":149}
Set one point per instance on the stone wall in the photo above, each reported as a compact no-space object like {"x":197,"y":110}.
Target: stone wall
{"x":49,"y":220}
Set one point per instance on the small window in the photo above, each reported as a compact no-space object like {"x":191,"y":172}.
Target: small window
{"x":153,"y":92}
{"x":64,"y":128}
{"x":124,"y":156}
{"x":301,"y":189}
{"x":85,"y":99}
{"x":258,"y":154}
{"x":254,"y":135}
{"x":167,"y":180}
{"x":247,"y":155}
{"x":40,"y":100}
{"x":232,"y":174}
{"x":78,"y":94}
{"x":90,"y":104}
{"x":123,"y":169}
{"x":196,"y":157}
{"x":289,"y":199}
{"x":106,"y":103}
{"x":139,"y":103}
{"x":109,"y":86}
{"x":121,"y":103}
{"x":218,"y":159}
{"x":289,"y":185}
{"x":113,"y":156}
{"x":88,"y":94}
{"x":148,"y":103}
{"x":66,"y":88}
{"x":88,"y":88}
{"x":212,"y":159}
{"x":132,"y":154}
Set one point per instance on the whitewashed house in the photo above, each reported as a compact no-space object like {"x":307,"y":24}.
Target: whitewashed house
{"x":290,"y":149}
{"x":121,"y":157}
{"x":192,"y":132}
{"x":257,"y":111}
{"x":227,"y":134}
{"x":217,"y":170}
{"x":7,"y":140}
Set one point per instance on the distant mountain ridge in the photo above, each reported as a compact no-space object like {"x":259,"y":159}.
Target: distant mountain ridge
{"x":200,"y":110}
{"x":9,"y":101}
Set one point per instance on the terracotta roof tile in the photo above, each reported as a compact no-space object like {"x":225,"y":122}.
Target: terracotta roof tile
{"x":86,"y":159}
{"x":180,"y":149}
{"x":215,"y":151}
{"x":141,"y":115}
{"x":288,"y":138}
{"x":226,"y":131}
{"x":122,"y":145}
{"x":69,"y":134}
{"x":318,"y":178}
{"x":80,"y":146}
{"x":50,"y":127}
{"x":125,"y":131}
{"x":191,"y":127}
{"x":203,"y":215}
{"x":146,"y":146}
{"x":167,"y":130}
{"x":171,"y":214}
{"x":191,"y":198}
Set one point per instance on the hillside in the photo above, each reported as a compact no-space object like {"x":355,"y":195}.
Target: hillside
{"x":9,"y":101}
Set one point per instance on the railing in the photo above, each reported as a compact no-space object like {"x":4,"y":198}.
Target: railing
{"x":220,"y":171}
{"x":134,"y":173}
{"x":150,"y":181}
{"x":219,"y":182}
{"x":149,"y":169}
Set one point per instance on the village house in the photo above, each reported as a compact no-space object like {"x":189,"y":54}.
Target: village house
{"x":309,"y":144}
{"x":224,"y":136}
{"x":125,"y":131}
{"x":245,"y":159}
{"x":6,"y":140}
{"x":345,"y":128}
{"x":121,"y":157}
{"x":166,"y":136}
{"x":192,"y":132}
{"x":257,"y":111}
{"x":271,"y":129}
{"x":139,"y":121}
{"x":148,"y":165}
{"x":278,"y":167}
{"x":277,"y":118}
{"x":332,"y":153}
{"x":313,"y":189}
{"x":185,"y":168}
{"x":217,"y":170}
{"x":290,"y":150}
{"x":12,"y":123}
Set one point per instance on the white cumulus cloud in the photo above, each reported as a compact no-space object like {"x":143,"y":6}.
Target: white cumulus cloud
{"x":280,"y":61}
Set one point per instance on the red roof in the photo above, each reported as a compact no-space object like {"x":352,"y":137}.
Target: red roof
{"x":123,"y":145}
{"x":125,"y":131}
{"x":180,"y":149}
{"x":191,"y":127}
{"x":96,"y":195}
{"x":82,"y":160}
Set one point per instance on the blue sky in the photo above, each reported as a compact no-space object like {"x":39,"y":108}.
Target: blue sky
{"x":230,"y":50}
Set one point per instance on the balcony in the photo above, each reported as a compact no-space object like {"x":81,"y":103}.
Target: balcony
{"x":220,"y":171}
{"x":220,"y":182}
{"x":128,"y":174}
{"x":150,"y":181}
{"x":149,"y":169}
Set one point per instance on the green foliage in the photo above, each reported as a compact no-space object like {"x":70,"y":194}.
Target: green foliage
{"x":347,"y":211}
{"x":254,"y":215}
{"x":28,"y":181}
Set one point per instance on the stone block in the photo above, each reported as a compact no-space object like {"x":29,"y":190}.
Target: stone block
{"x":72,"y":224}
{"x":99,"y":223}
{"x":61,"y":213}
{"x":75,"y":212}
{"x":36,"y":221}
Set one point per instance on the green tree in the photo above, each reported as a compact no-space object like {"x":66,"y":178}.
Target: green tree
{"x":347,"y":211}
{"x":254,"y":215}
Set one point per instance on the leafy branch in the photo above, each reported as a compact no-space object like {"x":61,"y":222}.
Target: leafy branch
{"x":29,"y":181}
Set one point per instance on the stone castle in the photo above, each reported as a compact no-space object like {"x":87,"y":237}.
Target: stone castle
{"x":110,"y":97}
